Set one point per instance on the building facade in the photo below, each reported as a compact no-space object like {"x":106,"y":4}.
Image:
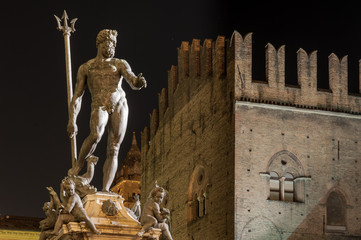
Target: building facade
{"x":19,"y":228}
{"x":247,"y":159}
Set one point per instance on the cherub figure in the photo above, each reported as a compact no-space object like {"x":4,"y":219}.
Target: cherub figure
{"x":73,"y":211}
{"x":153,"y":215}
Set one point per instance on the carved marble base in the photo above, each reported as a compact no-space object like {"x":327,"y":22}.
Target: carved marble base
{"x":109,"y":216}
{"x":152,"y":234}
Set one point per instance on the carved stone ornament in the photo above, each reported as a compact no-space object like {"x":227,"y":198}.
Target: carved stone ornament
{"x":109,"y":208}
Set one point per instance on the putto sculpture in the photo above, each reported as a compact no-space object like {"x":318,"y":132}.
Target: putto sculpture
{"x":103,"y":75}
{"x":71,"y":208}
{"x":153,"y":216}
{"x":67,"y":208}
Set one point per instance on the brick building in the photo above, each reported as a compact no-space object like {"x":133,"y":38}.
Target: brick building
{"x":247,"y":159}
{"x":19,"y":228}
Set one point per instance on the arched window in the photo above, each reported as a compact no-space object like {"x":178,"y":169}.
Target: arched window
{"x":286,"y":177}
{"x":335,"y":213}
{"x":197,"y":194}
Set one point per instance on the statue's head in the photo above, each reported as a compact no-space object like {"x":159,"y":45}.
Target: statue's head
{"x":68,"y":187}
{"x":106,"y":42}
{"x":158,"y":194}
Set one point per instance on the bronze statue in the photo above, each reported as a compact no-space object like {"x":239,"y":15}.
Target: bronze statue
{"x":153,"y":216}
{"x":103,"y":75}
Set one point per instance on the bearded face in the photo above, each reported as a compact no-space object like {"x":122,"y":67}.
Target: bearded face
{"x":108,"y":49}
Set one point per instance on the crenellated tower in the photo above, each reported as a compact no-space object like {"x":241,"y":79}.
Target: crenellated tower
{"x":198,"y":62}
{"x":234,"y":152}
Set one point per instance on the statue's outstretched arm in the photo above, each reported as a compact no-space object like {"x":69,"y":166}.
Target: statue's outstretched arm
{"x":135,"y":82}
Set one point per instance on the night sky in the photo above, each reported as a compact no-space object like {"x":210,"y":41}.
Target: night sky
{"x":35,"y":149}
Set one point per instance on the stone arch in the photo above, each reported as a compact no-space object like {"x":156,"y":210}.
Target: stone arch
{"x":290,"y":162}
{"x":341,"y":193}
{"x":260,"y":228}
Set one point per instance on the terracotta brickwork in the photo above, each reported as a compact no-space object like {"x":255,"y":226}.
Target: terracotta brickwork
{"x":322,"y":147}
{"x":244,"y":159}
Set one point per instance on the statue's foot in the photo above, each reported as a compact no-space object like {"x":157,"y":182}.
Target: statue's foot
{"x":107,"y":191}
{"x":97,"y":232}
{"x":92,"y":159}
{"x":140,"y":234}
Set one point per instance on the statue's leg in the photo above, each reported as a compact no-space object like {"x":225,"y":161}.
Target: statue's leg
{"x":91,"y":225}
{"x":117,"y":126}
{"x":147,"y":223}
{"x":62,"y":219}
{"x":165,"y":230}
{"x":98,"y":121}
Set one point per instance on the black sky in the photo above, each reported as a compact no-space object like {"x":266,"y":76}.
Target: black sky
{"x":35,"y":150}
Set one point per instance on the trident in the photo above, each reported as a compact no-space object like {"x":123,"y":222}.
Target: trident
{"x":66,"y":32}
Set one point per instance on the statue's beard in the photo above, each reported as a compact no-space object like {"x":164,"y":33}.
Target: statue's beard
{"x":109,"y":53}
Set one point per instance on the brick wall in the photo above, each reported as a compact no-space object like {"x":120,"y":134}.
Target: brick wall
{"x":327,"y":146}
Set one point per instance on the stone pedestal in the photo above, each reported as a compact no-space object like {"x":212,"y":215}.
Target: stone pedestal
{"x":109,"y":216}
{"x":115,"y":215}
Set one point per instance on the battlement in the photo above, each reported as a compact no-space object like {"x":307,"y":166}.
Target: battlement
{"x":227,"y":64}
{"x":306,"y":94}
{"x":198,"y":64}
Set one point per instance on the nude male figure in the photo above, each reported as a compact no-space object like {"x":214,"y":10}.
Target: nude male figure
{"x":103,"y":75}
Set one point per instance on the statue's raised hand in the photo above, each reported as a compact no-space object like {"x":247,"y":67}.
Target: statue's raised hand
{"x":142,"y":80}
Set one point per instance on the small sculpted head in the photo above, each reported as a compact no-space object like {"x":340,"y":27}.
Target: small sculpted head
{"x":158,"y":194}
{"x":68,"y":187}
{"x":106,"y":42}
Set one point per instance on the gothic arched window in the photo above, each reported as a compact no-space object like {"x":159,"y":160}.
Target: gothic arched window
{"x":335,"y":213}
{"x":197,"y":194}
{"x":286,"y":178}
